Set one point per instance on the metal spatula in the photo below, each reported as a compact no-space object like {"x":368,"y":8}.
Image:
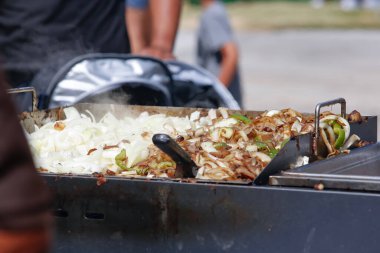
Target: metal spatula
{"x":186,"y":168}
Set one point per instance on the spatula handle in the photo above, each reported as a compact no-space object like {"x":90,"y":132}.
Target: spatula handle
{"x":180,"y":156}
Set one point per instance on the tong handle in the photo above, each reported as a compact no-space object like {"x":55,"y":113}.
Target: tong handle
{"x":180,"y":156}
{"x":318,"y":107}
{"x":26,"y":90}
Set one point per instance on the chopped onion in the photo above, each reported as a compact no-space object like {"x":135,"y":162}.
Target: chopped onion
{"x":226,"y":122}
{"x":195,"y":116}
{"x":271,"y":113}
{"x":353,"y":138}
{"x":223,"y":112}
{"x":263,"y":157}
{"x":208,"y":147}
{"x":251,"y":148}
{"x":296,"y":127}
{"x":212,"y":114}
{"x":71,"y":113}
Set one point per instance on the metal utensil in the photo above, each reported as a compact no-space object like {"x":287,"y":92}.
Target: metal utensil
{"x":186,"y":168}
{"x":319,"y":146}
{"x":26,"y":90}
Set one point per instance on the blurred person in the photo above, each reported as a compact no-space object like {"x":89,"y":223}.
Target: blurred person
{"x":40,"y":36}
{"x":371,"y":4}
{"x":25,"y":222}
{"x":217,"y":50}
{"x":350,"y":5}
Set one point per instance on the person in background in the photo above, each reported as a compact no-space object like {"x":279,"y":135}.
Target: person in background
{"x":217,"y":50}
{"x":25,"y":220}
{"x":350,"y":5}
{"x":39,"y":36}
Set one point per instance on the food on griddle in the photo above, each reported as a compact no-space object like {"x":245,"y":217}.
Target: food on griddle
{"x":355,"y":117}
{"x":335,"y":130}
{"x":224,"y":145}
{"x":335,"y":133}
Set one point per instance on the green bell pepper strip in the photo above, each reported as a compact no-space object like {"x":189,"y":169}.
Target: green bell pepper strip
{"x":120,"y":159}
{"x":336,"y":127}
{"x":241,"y":118}
{"x":143,"y":171}
{"x":272,"y":153}
{"x":340,"y":140}
{"x":164,"y":165}
{"x":261,"y":145}
{"x":220,"y":145}
{"x":338,"y":130}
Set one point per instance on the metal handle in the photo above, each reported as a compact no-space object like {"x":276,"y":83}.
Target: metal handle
{"x":318,"y":107}
{"x":26,"y":90}
{"x":185,"y":165}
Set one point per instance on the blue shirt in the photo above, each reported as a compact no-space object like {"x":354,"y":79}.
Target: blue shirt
{"x":137,"y":4}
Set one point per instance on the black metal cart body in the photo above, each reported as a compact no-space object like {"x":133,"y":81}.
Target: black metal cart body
{"x":152,"y":216}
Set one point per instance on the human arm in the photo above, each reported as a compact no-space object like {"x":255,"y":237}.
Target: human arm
{"x":165,"y":16}
{"x":228,"y":65}
{"x":138,"y":24}
{"x":24,"y":207}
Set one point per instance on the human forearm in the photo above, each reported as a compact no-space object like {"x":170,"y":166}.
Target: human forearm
{"x":229,"y":63}
{"x":138,"y":26}
{"x":165,"y":19}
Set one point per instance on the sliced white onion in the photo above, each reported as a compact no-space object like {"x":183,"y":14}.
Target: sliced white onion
{"x":262,"y":156}
{"x":296,"y":127}
{"x":212,"y":114}
{"x":71,"y":113}
{"x":251,"y":148}
{"x":271,"y":113}
{"x":195,"y":116}
{"x":243,"y":135}
{"x":353,"y":138}
{"x":226,"y":122}
{"x":223,"y":112}
{"x":208,"y":147}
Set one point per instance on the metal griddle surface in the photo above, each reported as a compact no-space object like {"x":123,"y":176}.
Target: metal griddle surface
{"x":359,"y":170}
{"x":297,"y":146}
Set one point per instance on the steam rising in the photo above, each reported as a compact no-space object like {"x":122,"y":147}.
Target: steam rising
{"x":113,"y":97}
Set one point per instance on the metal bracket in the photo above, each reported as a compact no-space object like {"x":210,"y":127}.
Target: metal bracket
{"x":26,"y":90}
{"x":318,"y":107}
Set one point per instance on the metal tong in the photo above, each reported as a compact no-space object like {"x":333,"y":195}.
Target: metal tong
{"x":186,"y":167}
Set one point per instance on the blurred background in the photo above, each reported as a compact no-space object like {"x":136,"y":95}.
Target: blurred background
{"x":298,"y":53}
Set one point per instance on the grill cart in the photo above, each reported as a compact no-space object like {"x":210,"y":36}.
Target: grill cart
{"x":278,"y":212}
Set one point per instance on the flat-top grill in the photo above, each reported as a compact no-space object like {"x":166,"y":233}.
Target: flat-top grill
{"x":298,"y":146}
{"x":171,"y":215}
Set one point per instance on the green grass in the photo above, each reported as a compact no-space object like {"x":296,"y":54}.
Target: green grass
{"x":289,"y":15}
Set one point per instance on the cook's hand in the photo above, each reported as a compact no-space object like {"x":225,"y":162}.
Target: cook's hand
{"x":157,"y":53}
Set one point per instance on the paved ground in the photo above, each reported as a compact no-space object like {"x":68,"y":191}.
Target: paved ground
{"x":299,"y":68}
